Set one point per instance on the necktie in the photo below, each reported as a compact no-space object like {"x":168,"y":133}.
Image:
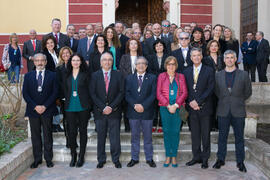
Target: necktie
{"x":184,"y":52}
{"x":40,"y":78}
{"x":88,"y":43}
{"x":71,"y":42}
{"x":34,"y":45}
{"x":140,"y":81}
{"x":106,"y":82}
{"x":56,"y":37}
{"x":196,"y":75}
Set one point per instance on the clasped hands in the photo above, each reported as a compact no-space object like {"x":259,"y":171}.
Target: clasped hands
{"x":40,"y":109}
{"x":194,"y":105}
{"x":139,"y":108}
{"x":107,"y":110}
{"x":172,"y":108}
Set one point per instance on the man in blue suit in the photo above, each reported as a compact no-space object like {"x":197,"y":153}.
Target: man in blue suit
{"x":140,"y":95}
{"x":249,"y":50}
{"x":40,"y":92}
{"x":86,"y":45}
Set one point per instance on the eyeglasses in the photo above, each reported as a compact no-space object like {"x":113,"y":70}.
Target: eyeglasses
{"x":164,"y":25}
{"x":184,"y":38}
{"x":136,"y":33}
{"x":171,"y":64}
{"x":143,"y":63}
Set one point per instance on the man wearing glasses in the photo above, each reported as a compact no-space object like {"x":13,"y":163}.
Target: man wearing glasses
{"x":166,"y":30}
{"x":183,"y":53}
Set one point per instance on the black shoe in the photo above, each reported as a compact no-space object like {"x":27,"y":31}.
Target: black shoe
{"x":35,"y":164}
{"x":49,"y":164}
{"x":242,"y":167}
{"x":54,"y":128}
{"x":192,"y":162}
{"x":73,"y":159}
{"x":151,"y":163}
{"x":100,"y":165}
{"x":80,"y":161}
{"x":132,"y":163}
{"x":117,"y":164}
{"x":59,"y":129}
{"x":204,"y":165}
{"x":218,"y":164}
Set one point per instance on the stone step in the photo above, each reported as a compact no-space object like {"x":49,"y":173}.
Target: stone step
{"x":61,"y":153}
{"x":185,"y":138}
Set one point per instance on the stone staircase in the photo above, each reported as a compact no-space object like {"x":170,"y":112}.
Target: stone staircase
{"x":62,"y":154}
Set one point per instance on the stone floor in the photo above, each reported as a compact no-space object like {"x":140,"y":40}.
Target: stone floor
{"x":142,"y":171}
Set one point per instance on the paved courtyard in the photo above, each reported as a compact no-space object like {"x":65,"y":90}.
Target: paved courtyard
{"x":141,"y":171}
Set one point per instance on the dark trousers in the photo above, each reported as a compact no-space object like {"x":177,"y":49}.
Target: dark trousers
{"x":251,"y":69}
{"x":262,"y":70}
{"x":124,"y":108}
{"x":200,"y":133}
{"x":103,"y":126}
{"x":214,"y":121}
{"x":35,"y":125}
{"x":75,"y":121}
{"x":157,"y":119}
{"x":145,"y":126}
{"x":238,"y":125}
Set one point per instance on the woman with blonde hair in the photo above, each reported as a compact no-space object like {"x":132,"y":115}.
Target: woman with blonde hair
{"x":176,"y":42}
{"x":12,"y":58}
{"x":128,"y":32}
{"x":231,"y":43}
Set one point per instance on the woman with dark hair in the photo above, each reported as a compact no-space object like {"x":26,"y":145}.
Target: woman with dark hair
{"x":197,"y":39}
{"x":207,"y":35}
{"x":49,"y":48}
{"x":77,"y":105}
{"x":114,"y":45}
{"x":156,"y":66}
{"x":101,"y":45}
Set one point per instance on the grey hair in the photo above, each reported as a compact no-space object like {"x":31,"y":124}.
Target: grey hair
{"x":261,"y":33}
{"x":229,"y":52}
{"x":141,"y":57}
{"x":40,"y":54}
{"x":166,"y":21}
{"x":70,"y":25}
{"x":196,"y":49}
{"x":184,"y":34}
{"x":106,"y":53}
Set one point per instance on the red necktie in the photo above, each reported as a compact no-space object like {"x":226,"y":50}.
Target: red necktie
{"x":34,"y":45}
{"x":106,"y":82}
{"x":56,"y":37}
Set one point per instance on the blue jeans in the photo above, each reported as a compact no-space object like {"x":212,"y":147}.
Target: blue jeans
{"x":14,"y":74}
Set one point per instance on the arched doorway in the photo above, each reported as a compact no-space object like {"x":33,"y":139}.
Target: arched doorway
{"x":141,"y":11}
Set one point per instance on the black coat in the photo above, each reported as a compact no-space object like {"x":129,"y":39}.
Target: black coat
{"x":180,"y":59}
{"x":149,"y":49}
{"x":209,"y":61}
{"x":61,"y":72}
{"x":50,"y":62}
{"x":153,"y":66}
{"x":263,"y":51}
{"x":74,"y":45}
{"x":123,"y":40}
{"x":232,"y":45}
{"x":94,"y":61}
{"x":63,"y":40}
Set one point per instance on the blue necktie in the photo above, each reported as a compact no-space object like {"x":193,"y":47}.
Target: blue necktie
{"x":140,"y":81}
{"x":40,"y":78}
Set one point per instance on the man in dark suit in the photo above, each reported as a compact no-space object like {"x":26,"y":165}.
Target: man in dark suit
{"x":183,"y":53}
{"x":200,"y":82}
{"x":233,"y":88}
{"x":107,"y":92}
{"x":30,"y":48}
{"x":40,"y":91}
{"x":119,"y":28}
{"x":140,"y":95}
{"x":262,"y":58}
{"x":249,"y":49}
{"x":166,"y":30}
{"x":148,"y":44}
{"x":86,"y":45}
{"x":61,"y":39}
{"x":70,"y":33}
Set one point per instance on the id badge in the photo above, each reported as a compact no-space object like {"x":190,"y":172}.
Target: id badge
{"x":194,"y":86}
{"x":185,"y":64}
{"x":74,"y":93}
{"x":172,"y":92}
{"x":39,"y":88}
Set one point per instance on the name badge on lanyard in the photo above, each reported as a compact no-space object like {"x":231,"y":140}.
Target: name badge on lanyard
{"x":185,"y":64}
{"x":74,"y":93}
{"x":194,"y":86}
{"x":172,"y":92}
{"x":39,"y":89}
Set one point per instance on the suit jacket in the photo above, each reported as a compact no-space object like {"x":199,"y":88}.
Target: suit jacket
{"x":61,"y":72}
{"x":180,"y":59}
{"x":204,"y":89}
{"x":114,"y":97}
{"x":149,"y":49}
{"x":153,"y":66}
{"x":46,"y":97}
{"x":82,"y":48}
{"x":169,"y":38}
{"x":263,"y":51}
{"x":74,"y":45}
{"x":233,"y":102}
{"x":94,"y":62}
{"x":123,"y":40}
{"x":232,"y":45}
{"x":83,"y":85}
{"x":249,"y":52}
{"x":50,"y":62}
{"x":145,"y":96}
{"x":28,"y":50}
{"x":125,"y":65}
{"x":208,"y":60}
{"x":62,"y":41}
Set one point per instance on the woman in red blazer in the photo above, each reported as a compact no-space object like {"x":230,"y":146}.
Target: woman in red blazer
{"x":171,"y":94}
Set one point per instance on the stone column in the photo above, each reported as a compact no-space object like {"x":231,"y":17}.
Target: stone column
{"x":263,"y":17}
{"x":108,"y":12}
{"x":174,"y":15}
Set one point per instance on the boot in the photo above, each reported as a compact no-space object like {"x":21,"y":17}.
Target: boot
{"x":73,"y":159}
{"x":81,"y":160}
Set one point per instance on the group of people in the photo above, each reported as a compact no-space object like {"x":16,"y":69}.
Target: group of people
{"x":145,"y":80}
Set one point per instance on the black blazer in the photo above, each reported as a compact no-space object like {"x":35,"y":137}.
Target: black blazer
{"x":28,"y":50}
{"x":61,"y":72}
{"x":63,"y":40}
{"x":74,"y":45}
{"x":204,"y":89}
{"x":46,"y":97}
{"x":232,"y":45}
{"x":123,"y":40}
{"x":125,"y":65}
{"x":148,"y":45}
{"x":263,"y":51}
{"x":113,"y":98}
{"x":208,"y":60}
{"x":153,"y":66}
{"x":94,"y":61}
{"x":83,"y":89}
{"x":50,"y":62}
{"x":145,"y":97}
{"x":180,"y":59}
